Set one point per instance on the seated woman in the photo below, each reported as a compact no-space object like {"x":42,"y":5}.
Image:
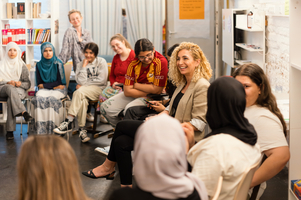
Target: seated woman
{"x":190,"y":109}
{"x":160,"y":164}
{"x":263,"y":113}
{"x":91,"y":77}
{"x":50,"y":77}
{"x":14,"y":81}
{"x":146,"y":74}
{"x":48,"y":169}
{"x":230,"y":149}
{"x":122,"y":59}
{"x":124,"y":56}
{"x":154,"y":107}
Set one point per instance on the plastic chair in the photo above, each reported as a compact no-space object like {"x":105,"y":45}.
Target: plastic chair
{"x":218,"y":189}
{"x":244,"y":185}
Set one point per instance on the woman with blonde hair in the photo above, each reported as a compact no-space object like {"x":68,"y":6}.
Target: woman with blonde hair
{"x":190,"y":71}
{"x":48,"y":169}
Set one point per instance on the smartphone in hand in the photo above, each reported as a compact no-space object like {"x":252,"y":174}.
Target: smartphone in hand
{"x":148,"y":102}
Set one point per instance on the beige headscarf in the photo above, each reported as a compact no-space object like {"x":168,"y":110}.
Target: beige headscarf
{"x":160,"y":164}
{"x":11,"y":69}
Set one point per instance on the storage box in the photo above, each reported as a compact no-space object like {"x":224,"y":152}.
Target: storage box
{"x":296,"y":187}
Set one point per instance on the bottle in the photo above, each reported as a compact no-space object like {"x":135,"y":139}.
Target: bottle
{"x":250,"y":20}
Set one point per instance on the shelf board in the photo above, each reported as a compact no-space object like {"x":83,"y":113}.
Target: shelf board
{"x":38,"y":19}
{"x":272,"y":15}
{"x":242,"y":62}
{"x":247,"y":48}
{"x":4,"y":45}
{"x":293,"y":194}
{"x":29,"y":45}
{"x":251,"y":30}
{"x":27,"y":19}
{"x":296,"y":66}
{"x":6,"y":19}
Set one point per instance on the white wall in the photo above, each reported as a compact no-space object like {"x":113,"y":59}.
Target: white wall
{"x":277,"y":40}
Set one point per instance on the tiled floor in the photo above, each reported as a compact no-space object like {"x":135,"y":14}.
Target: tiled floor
{"x":97,"y":189}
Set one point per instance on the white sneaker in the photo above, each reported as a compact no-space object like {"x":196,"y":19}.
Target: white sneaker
{"x":90,"y":117}
{"x":103,"y":120}
{"x":83,"y":135}
{"x":103,"y":150}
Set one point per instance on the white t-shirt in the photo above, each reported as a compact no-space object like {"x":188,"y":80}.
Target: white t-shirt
{"x":268,"y":127}
{"x":222,"y":155}
{"x":269,"y":132}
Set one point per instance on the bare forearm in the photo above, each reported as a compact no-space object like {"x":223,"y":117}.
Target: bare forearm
{"x":134,"y":93}
{"x":271,"y":166}
{"x":148,"y":88}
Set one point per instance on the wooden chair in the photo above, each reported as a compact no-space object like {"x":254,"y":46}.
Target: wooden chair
{"x":244,"y":185}
{"x":218,"y":188}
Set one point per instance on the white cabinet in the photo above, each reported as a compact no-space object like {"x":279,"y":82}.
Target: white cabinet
{"x":240,"y":44}
{"x":295,"y":94}
{"x":29,"y":22}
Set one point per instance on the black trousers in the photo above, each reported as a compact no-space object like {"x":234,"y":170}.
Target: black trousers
{"x":121,"y":146}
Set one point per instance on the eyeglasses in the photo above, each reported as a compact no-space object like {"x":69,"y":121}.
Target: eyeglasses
{"x":147,"y":56}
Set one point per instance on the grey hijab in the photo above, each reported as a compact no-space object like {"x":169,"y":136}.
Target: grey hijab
{"x":160,"y":164}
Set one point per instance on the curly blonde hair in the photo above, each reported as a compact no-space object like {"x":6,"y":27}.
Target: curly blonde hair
{"x":203,"y":70}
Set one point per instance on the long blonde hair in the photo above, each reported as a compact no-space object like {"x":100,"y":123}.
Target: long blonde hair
{"x":203,"y":70}
{"x":48,"y":170}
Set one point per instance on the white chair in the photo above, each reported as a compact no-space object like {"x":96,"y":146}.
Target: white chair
{"x":244,"y":185}
{"x":218,"y":189}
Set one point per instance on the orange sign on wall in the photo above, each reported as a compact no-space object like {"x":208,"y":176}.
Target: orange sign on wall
{"x":191,"y":9}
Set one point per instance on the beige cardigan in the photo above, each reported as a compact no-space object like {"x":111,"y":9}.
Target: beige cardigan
{"x":193,"y":104}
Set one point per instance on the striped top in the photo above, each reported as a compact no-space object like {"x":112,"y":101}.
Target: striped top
{"x":155,"y":73}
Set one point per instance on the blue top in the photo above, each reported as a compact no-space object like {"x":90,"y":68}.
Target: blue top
{"x":49,"y":68}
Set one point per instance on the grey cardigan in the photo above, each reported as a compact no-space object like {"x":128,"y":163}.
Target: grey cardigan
{"x":25,"y":83}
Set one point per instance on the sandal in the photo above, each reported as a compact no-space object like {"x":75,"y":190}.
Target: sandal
{"x":90,"y":174}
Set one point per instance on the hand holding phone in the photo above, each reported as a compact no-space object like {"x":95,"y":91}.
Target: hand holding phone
{"x":148,"y":102}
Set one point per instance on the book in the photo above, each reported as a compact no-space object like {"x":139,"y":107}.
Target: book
{"x":9,"y":11}
{"x":20,"y":10}
{"x":39,"y":9}
{"x":14,"y":8}
{"x":35,"y":10}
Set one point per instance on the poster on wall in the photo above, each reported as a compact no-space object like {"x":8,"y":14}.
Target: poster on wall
{"x":191,"y":9}
{"x":192,"y":19}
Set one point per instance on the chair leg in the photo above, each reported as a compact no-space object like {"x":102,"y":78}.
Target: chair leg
{"x":95,"y":118}
{"x":21,"y":126}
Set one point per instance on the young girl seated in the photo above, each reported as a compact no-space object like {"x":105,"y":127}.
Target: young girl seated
{"x":50,"y":76}
{"x":91,"y":77}
{"x":14,"y":81}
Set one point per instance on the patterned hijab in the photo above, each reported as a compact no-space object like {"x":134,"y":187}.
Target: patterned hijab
{"x":160,"y":160}
{"x":11,"y":69}
{"x":48,"y":67}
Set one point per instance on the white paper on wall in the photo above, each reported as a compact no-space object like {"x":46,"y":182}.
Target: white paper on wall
{"x":193,"y":28}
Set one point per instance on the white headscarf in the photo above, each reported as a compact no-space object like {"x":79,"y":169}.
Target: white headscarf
{"x":11,"y":69}
{"x":160,"y":163}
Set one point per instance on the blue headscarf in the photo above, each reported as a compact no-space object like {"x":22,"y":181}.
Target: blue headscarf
{"x":48,"y":67}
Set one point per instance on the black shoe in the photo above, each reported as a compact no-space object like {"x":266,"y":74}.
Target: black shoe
{"x":64,"y":127}
{"x":10,"y":135}
{"x":27,"y":117}
{"x":90,"y":174}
